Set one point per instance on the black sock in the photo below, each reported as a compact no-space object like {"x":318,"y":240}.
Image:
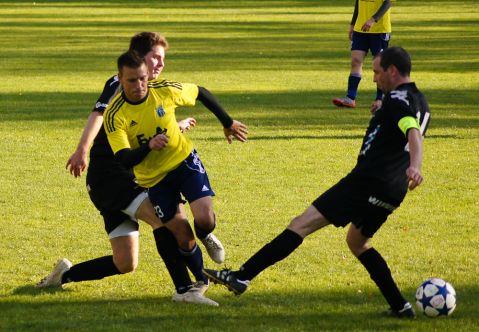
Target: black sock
{"x":168,"y":249}
{"x":203,"y":233}
{"x":278,"y":249}
{"x":194,"y":261}
{"x":381,"y":275}
{"x":94,"y":269}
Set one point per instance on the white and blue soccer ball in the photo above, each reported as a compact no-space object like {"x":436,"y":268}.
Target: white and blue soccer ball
{"x":436,"y":297}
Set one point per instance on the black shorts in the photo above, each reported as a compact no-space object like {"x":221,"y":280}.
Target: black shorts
{"x":376,"y":42}
{"x":364,"y":202}
{"x":111,"y":195}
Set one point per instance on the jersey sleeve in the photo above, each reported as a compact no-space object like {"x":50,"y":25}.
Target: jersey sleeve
{"x":115,"y":125}
{"x":110,"y":90}
{"x":401,"y":105}
{"x":187,"y":95}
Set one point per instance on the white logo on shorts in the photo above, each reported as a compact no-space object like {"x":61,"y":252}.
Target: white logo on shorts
{"x":205,"y":188}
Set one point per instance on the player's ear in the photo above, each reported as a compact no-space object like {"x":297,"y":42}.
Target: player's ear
{"x":392,"y":70}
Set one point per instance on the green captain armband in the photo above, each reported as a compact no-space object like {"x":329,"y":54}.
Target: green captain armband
{"x":407,"y":123}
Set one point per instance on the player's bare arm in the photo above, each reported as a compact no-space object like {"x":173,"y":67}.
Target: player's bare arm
{"x":415,"y":153}
{"x":78,"y":161}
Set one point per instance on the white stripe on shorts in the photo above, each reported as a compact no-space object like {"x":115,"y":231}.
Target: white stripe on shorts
{"x":126,"y":228}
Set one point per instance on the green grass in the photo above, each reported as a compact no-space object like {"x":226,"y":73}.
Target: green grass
{"x":274,"y":65}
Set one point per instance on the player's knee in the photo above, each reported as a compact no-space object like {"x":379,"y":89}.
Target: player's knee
{"x":205,"y":219}
{"x":183,"y":234}
{"x":126,"y":265}
{"x":356,"y":247}
{"x":356,"y":63}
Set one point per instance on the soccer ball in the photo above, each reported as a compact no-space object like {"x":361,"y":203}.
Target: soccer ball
{"x":436,"y":297}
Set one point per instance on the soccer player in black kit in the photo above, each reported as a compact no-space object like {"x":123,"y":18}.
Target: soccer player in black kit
{"x":389,"y":163}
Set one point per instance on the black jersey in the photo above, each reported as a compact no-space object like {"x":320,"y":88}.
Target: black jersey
{"x":384,"y":154}
{"x":103,"y":163}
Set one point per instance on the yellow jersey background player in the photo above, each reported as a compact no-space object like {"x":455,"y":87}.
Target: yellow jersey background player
{"x":370,"y":29}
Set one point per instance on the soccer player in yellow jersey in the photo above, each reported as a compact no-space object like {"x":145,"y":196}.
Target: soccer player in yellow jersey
{"x":141,"y":127}
{"x":370,"y":29}
{"x":121,"y":202}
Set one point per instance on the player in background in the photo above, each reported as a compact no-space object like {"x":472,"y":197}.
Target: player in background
{"x":389,"y":163}
{"x":370,"y":29}
{"x":115,"y":193}
{"x":141,"y":127}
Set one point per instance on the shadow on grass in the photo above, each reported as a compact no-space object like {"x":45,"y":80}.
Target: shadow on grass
{"x":331,"y":310}
{"x":31,"y":290}
{"x":291,"y":110}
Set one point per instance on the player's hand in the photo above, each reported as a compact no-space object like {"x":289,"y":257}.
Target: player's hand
{"x":158,"y":142}
{"x":414,"y":177}
{"x":376,"y":105}
{"x":367,"y":26}
{"x":186,"y":124}
{"x":237,"y":130}
{"x":77,"y":163}
{"x":350,"y":33}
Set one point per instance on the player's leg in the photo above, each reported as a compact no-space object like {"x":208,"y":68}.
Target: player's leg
{"x":125,"y":252}
{"x":167,"y":244}
{"x":359,"y":49}
{"x":166,"y":200}
{"x":278,"y":249}
{"x":205,"y":223}
{"x":195,"y":186}
{"x":123,"y":259}
{"x":379,"y":272}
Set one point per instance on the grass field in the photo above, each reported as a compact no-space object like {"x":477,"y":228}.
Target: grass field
{"x":274,"y":65}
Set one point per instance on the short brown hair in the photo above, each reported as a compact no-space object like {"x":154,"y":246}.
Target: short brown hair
{"x":143,"y":42}
{"x":130,"y":59}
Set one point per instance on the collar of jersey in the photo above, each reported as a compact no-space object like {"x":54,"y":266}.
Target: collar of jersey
{"x":137,"y":102}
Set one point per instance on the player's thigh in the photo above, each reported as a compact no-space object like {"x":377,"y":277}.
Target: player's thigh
{"x":308,"y":222}
{"x":125,"y":252}
{"x":357,"y":59}
{"x":147,"y":213}
{"x":357,"y":241}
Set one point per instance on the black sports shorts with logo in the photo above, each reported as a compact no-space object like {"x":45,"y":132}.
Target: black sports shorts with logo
{"x":364,"y":202}
{"x":112,"y":192}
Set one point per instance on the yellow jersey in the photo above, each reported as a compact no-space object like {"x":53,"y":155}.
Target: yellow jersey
{"x":366,"y":10}
{"x":131,"y":125}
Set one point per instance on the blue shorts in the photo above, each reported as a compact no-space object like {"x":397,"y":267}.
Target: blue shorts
{"x":376,"y":42}
{"x":188,"y":179}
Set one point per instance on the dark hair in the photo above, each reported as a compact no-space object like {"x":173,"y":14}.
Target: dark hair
{"x":143,"y":42}
{"x":398,"y":57}
{"x":130,"y":59}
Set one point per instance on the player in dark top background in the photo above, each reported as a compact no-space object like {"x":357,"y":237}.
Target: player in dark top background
{"x":389,"y":162}
{"x":115,"y":193}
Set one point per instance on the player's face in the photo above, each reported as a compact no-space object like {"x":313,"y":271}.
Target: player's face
{"x":155,"y":60}
{"x":134,"y":82}
{"x":381,"y":76}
